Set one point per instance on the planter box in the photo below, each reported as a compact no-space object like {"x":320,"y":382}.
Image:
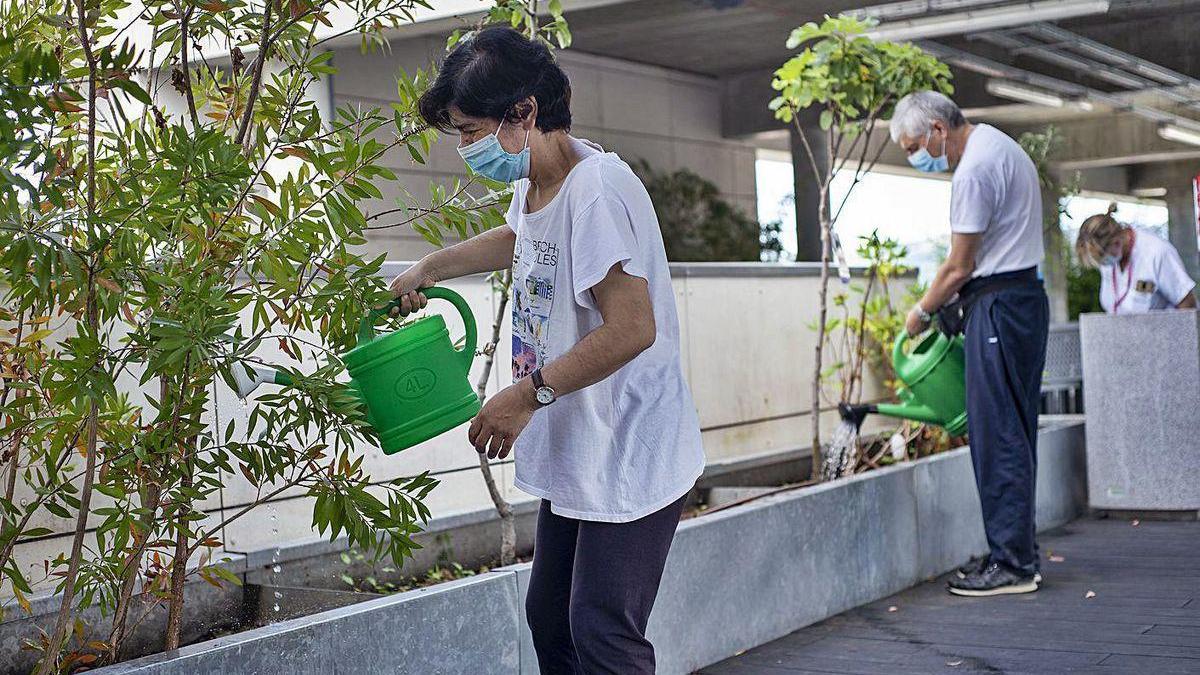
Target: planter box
{"x":1141,"y":381}
{"x":734,"y":579}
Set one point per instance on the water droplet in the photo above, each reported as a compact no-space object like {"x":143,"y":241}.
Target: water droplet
{"x":278,"y":595}
{"x":24,"y":502}
{"x":276,"y":607}
{"x":276,"y":569}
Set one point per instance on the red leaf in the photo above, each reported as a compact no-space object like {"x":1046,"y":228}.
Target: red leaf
{"x":294,"y":151}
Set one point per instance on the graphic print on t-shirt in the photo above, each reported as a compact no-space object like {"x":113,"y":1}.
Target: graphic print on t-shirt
{"x":534,"y":264}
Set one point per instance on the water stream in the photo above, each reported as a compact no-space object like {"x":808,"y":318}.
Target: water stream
{"x":842,"y":451}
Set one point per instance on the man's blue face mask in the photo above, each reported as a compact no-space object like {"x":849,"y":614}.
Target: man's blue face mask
{"x":487,"y":157}
{"x":921,"y":160}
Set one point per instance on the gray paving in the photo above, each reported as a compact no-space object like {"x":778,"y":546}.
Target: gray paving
{"x":1144,"y":616}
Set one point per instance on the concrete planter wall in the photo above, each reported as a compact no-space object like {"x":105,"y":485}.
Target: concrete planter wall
{"x":1141,"y":381}
{"x":734,"y":579}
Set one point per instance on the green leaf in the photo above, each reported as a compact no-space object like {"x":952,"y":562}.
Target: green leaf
{"x":132,"y":88}
{"x":111,"y":490}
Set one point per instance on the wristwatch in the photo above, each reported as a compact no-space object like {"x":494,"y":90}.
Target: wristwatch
{"x":541,"y":391}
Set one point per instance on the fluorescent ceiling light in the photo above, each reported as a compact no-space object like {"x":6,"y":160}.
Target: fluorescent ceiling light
{"x":1150,"y":192}
{"x":1174,"y":132}
{"x":986,"y":19}
{"x":1024,"y":94}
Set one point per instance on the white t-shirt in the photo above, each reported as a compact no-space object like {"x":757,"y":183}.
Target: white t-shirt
{"x":1155,"y":278}
{"x":628,"y":445}
{"x":995,"y":192}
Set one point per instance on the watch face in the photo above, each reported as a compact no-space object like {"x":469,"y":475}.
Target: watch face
{"x":545,"y":395}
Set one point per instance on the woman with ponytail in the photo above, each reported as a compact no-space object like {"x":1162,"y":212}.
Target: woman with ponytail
{"x":1139,"y":272}
{"x":599,"y":417}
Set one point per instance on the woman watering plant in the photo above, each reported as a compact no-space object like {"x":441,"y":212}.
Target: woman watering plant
{"x":599,"y":417}
{"x":1139,"y":272}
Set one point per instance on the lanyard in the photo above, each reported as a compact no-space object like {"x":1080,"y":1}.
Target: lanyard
{"x":1128,"y":277}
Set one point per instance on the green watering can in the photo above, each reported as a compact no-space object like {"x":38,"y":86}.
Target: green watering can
{"x":412,"y":380}
{"x":934,"y":375}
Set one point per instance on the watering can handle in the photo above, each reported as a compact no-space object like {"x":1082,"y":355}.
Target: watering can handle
{"x":366,"y":329}
{"x":898,"y":354}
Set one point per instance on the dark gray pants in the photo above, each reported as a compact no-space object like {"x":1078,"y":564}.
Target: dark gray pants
{"x":1006,"y":353}
{"x":592,"y":588}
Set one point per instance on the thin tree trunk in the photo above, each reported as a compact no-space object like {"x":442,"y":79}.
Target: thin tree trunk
{"x":49,"y":661}
{"x":180,"y":559}
{"x":133,"y":566}
{"x":508,"y":522}
{"x":860,"y":346}
{"x":185,"y":14}
{"x":10,"y":486}
{"x":61,"y":625}
{"x":820,"y":348}
{"x":178,"y":570}
{"x":132,"y":571}
{"x":256,"y":79}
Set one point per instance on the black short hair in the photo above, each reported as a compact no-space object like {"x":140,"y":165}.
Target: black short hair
{"x":486,"y":75}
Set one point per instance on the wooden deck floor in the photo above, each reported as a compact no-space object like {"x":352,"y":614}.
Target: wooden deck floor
{"x":1144,"y":616}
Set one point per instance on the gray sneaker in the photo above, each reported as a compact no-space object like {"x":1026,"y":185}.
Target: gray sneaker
{"x":977,"y":565}
{"x":993,"y":580}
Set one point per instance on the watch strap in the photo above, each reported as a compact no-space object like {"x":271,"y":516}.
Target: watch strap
{"x":536,"y":376}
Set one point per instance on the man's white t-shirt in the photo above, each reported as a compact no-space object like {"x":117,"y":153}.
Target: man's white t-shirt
{"x":1154,"y":278}
{"x":628,"y":445}
{"x":995,"y":192}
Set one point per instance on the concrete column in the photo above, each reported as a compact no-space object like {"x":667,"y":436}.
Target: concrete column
{"x":1181,"y":214}
{"x":808,"y":191}
{"x":1054,"y":270}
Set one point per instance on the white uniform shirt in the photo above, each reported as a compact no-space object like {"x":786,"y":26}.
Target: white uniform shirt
{"x":1154,"y":278}
{"x":995,"y":192}
{"x":628,"y":445}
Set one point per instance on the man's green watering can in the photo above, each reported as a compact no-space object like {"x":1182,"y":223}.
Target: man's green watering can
{"x":934,"y":375}
{"x":412,"y":380}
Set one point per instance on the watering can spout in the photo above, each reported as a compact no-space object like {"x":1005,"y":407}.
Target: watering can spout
{"x":855,"y":414}
{"x":910,"y":411}
{"x":247,"y":382}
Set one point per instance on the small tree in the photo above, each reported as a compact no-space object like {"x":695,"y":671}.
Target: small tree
{"x":870,"y":321}
{"x":855,"y":83}
{"x":148,"y":254}
{"x":867,"y":324}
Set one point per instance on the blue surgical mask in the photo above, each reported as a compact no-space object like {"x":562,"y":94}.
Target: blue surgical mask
{"x":487,"y":157}
{"x":921,"y":160}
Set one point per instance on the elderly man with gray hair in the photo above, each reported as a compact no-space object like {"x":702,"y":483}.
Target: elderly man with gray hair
{"x":989,"y":286}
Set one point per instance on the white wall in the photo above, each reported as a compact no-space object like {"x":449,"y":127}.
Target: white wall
{"x":746,"y":352}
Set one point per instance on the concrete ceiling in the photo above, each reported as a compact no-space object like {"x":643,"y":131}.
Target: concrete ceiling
{"x":725,"y":37}
{"x":743,"y":41}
